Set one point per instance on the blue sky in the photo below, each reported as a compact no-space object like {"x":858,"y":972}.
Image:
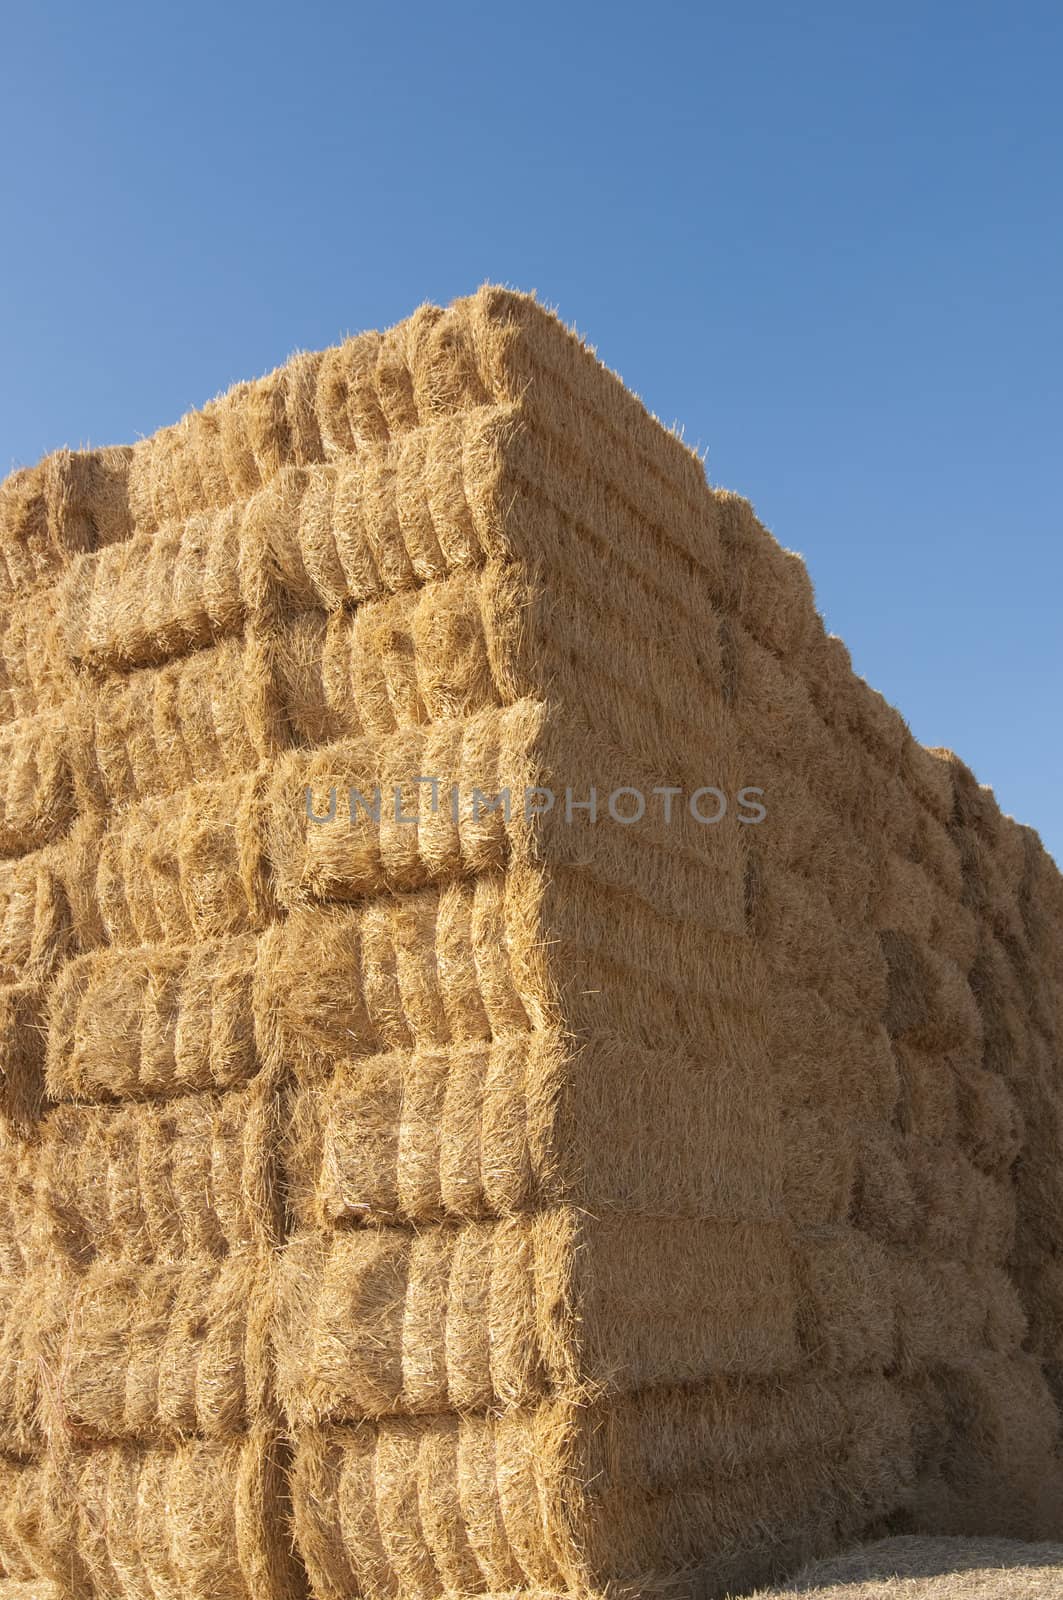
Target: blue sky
{"x":827,"y":240}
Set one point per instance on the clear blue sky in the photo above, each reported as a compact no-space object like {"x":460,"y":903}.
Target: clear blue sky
{"x":827,"y":240}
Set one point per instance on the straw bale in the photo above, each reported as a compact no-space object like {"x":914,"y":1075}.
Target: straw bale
{"x":23,"y":527}
{"x":487,"y":1314}
{"x":884,"y":1198}
{"x":186,"y":867}
{"x":769,"y":590}
{"x":196,"y":1522}
{"x":930,"y":1001}
{"x":20,"y":1237}
{"x":48,"y":908}
{"x":228,"y":450}
{"x":22,"y":1041}
{"x":820,"y":1060}
{"x":405,"y":512}
{"x":154,"y":1020}
{"x":931,"y":1091}
{"x":423,"y":969}
{"x":33,"y":677}
{"x":845,"y":1310}
{"x":357,"y":854}
{"x":596,"y":1500}
{"x":806,"y":837}
{"x":72,"y":501}
{"x":805,"y":944}
{"x":36,"y":785}
{"x":156,"y":596}
{"x":502,"y":1127}
{"x":192,"y":1177}
{"x":949,"y":1310}
{"x":154,"y":1352}
{"x":20,"y":1372}
{"x":986,"y":1450}
{"x":819,"y":1167}
{"x":153,"y":731}
{"x":961,"y":1210}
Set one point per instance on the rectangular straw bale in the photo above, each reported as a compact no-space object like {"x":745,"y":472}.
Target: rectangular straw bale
{"x":806,"y":837}
{"x":986,"y":1449}
{"x":804,"y":943}
{"x":931,"y":1091}
{"x":951,"y":1310}
{"x":196,"y":1522}
{"x":34,"y":678}
{"x":36,"y":784}
{"x":158,"y":1019}
{"x":48,"y":906}
{"x":156,"y":730}
{"x":191,"y":1177}
{"x":155,"y":1352}
{"x":21,"y":1355}
{"x":846,"y":1311}
{"x":473,"y":1130}
{"x":72,"y":501}
{"x":819,"y":1059}
{"x":356,"y":853}
{"x":192,"y":866}
{"x":378,"y":1320}
{"x":566,"y":1499}
{"x":930,"y":779}
{"x":353,"y":853}
{"x":231,"y":447}
{"x":22,"y":1041}
{"x":423,"y":969}
{"x":21,"y":1238}
{"x":962,"y":1211}
{"x":929,"y":1000}
{"x":818,"y":1166}
{"x":402,"y":514}
{"x":622,"y":966}
{"x":157,"y":596}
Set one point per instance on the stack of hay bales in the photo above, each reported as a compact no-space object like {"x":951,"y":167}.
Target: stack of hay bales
{"x":506,"y":1199}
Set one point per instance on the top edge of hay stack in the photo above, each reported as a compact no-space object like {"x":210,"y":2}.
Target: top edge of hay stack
{"x":517,"y":1074}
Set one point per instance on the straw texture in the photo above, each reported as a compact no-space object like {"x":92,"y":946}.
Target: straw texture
{"x":517,"y":1074}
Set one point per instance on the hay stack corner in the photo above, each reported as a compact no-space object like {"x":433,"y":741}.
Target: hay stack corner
{"x":517,"y":1073}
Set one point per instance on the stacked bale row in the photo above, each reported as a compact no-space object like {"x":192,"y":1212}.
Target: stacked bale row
{"x":491,"y":1201}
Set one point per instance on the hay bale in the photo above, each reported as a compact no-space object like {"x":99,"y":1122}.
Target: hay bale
{"x":72,"y":501}
{"x":159,"y":1352}
{"x":155,"y":1020}
{"x":191,"y":1177}
{"x":690,"y":1460}
{"x":22,"y":1048}
{"x":378,"y":1320}
{"x":198,"y":1521}
{"x":474,"y":1129}
{"x":36,"y":789}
